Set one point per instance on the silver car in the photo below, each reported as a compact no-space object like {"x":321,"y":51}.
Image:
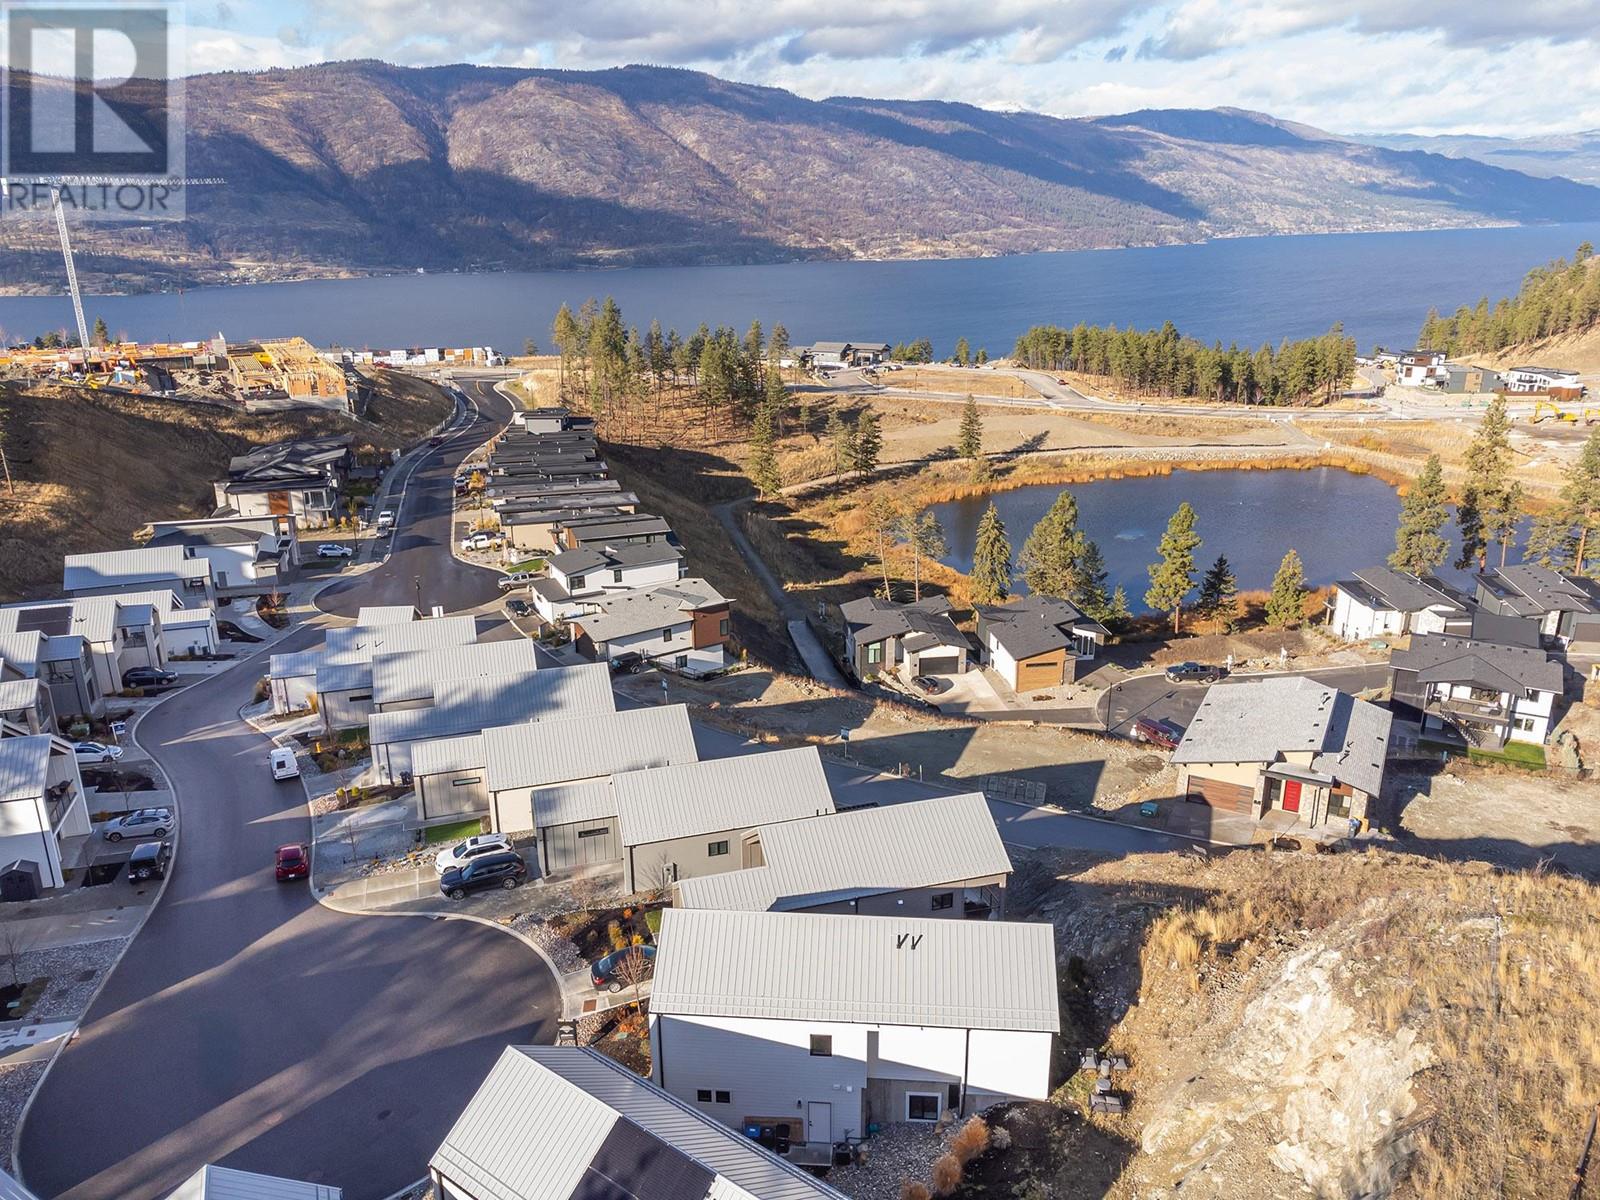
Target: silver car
{"x":141,"y":822}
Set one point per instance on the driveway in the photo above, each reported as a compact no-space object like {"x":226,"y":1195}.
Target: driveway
{"x":1152,"y":696}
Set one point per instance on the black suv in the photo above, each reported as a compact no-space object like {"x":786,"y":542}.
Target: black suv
{"x":629,"y":662}
{"x":147,"y":677}
{"x":485,"y":871}
{"x":150,"y":861}
{"x":1193,"y":672}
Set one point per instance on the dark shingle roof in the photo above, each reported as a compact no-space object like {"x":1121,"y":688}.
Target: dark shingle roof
{"x":1445,"y":658}
{"x":872,"y":620}
{"x":1400,"y":592}
{"x":1034,"y":624}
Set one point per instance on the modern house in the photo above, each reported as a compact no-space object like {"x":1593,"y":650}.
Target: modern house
{"x":1463,"y":379}
{"x":834,"y":1024}
{"x":551,"y":419}
{"x":1558,"y":602}
{"x":225,"y":1183}
{"x":535,"y":524}
{"x":293,"y":675}
{"x":929,"y":858}
{"x":24,"y":703}
{"x":637,"y":529}
{"x":576,"y":576}
{"x":1381,"y":602}
{"x":845,"y":354}
{"x":249,"y":556}
{"x":175,"y":568}
{"x":1284,"y":745}
{"x":62,"y":667}
{"x":112,"y":634}
{"x":1486,"y":693}
{"x":302,"y":478}
{"x":41,"y":802}
{"x":464,"y":706}
{"x":684,"y":625}
{"x":564,"y":1123}
{"x":409,"y":678}
{"x":919,"y":638}
{"x":1419,"y":367}
{"x":1541,"y":379}
{"x":1037,"y":641}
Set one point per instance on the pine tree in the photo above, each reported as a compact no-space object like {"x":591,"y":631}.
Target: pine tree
{"x":983,"y":356}
{"x":1418,"y":546}
{"x":924,"y":535}
{"x":963,"y":354}
{"x":883,"y":518}
{"x":969,"y":442}
{"x":1218,"y":590}
{"x":1172,"y":579}
{"x":1091,"y":596}
{"x":1579,"y":503}
{"x":102,"y":335}
{"x":842,"y":438}
{"x":1286,"y":607}
{"x":991,"y":559}
{"x":1118,"y":614}
{"x":1488,"y":508}
{"x":867,"y":444}
{"x":763,"y":458}
{"x":1551,"y":541}
{"x":1052,"y":556}
{"x":773,"y":401}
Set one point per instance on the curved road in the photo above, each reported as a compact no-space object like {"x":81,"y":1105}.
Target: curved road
{"x":249,"y":1025}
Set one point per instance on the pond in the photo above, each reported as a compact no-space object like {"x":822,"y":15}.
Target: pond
{"x":1338,"y":521}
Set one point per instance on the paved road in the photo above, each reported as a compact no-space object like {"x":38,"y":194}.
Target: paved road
{"x":1152,"y":696}
{"x":249,"y":1025}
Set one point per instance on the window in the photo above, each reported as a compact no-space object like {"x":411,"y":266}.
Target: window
{"x":717,"y":849}
{"x":666,"y":634}
{"x":923,"y":1106}
{"x":724,"y":1097}
{"x":822,"y":1045}
{"x":943,"y":901}
{"x":600,"y":832}
{"x":703,"y":1095}
{"x":575,"y":583}
{"x":358,"y":697}
{"x":681,"y":662}
{"x":875,"y":653}
{"x":722,"y":627}
{"x":1524,"y":724}
{"x":616,"y":576}
{"x":466,"y":782}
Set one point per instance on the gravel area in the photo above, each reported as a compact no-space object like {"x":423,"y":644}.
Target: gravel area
{"x":74,"y":973}
{"x":538,"y":930}
{"x":895,"y":1154}
{"x":16,"y":1085}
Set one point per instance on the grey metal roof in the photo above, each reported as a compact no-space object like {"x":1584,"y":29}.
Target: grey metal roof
{"x":10,"y":1189}
{"x":1034,"y":625}
{"x":570,"y":803}
{"x":535,"y":1127}
{"x":343,"y":677}
{"x":430,"y":634}
{"x":860,"y":853}
{"x":22,"y":651}
{"x":1400,"y":592}
{"x":720,"y":793}
{"x":24,"y":766}
{"x":471,"y":705}
{"x":116,"y":568}
{"x":546,"y":752}
{"x":211,"y":535}
{"x":412,"y":674}
{"x":596,"y":558}
{"x":225,"y":1183}
{"x":619,"y":614}
{"x":67,"y":648}
{"x":1445,"y":658}
{"x":463,"y":753}
{"x":1259,"y":720}
{"x":385,"y":614}
{"x":865,"y":970}
{"x":635,"y":525}
{"x":17,"y":694}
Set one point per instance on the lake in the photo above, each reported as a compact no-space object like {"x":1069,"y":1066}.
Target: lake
{"x":1338,"y":521}
{"x":1245,"y":289}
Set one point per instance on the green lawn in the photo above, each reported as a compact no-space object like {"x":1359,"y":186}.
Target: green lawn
{"x":454,"y":831}
{"x":1517,"y":754}
{"x":527,"y":564}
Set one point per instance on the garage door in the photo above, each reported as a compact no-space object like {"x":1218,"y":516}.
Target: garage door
{"x":1038,"y":674}
{"x":1231,"y":797}
{"x":942,"y":664}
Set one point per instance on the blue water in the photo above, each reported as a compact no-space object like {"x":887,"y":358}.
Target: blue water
{"x":1245,"y":289}
{"x":1337,"y":521}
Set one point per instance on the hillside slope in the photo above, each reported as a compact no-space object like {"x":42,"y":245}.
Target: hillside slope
{"x":363,"y":166}
{"x":1571,"y":155}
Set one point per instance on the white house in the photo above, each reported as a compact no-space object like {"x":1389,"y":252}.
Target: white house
{"x":141,"y":570}
{"x":930,"y":858}
{"x":293,"y":675}
{"x":249,"y":556}
{"x":684,"y":625}
{"x":1419,"y":367}
{"x":1557,"y":602}
{"x":1382,"y":602}
{"x":117,"y":631}
{"x":41,"y":802}
{"x":1539,"y":379}
{"x":833,"y":1023}
{"x":225,"y":1183}
{"x":1037,"y":641}
{"x":60,"y":664}
{"x":564,"y":1123}
{"x":576,"y":576}
{"x":1484,"y":692}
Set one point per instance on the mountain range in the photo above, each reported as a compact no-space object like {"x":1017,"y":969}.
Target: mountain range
{"x":1573,"y":155}
{"x":359,"y":167}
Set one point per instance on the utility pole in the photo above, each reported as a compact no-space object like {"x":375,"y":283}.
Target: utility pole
{"x":416,"y":582}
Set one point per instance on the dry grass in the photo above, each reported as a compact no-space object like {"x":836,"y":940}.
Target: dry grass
{"x":971,"y":1140}
{"x":910,"y":1189}
{"x":957,"y":381}
{"x":1167,"y":425}
{"x":1411,"y":442}
{"x":946,"y":1174}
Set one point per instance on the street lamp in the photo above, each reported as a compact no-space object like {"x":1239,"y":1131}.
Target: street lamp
{"x":416,"y":582}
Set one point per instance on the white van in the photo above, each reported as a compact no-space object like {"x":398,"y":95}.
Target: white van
{"x":284,"y":765}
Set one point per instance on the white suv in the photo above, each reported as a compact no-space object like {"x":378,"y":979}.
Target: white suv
{"x":476,"y":846}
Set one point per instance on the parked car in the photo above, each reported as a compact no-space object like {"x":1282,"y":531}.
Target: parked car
{"x":150,"y":861}
{"x":141,"y":822}
{"x":334,"y":550}
{"x":283,"y":763}
{"x":96,"y":752}
{"x":629,"y":662}
{"x":1158,"y":732}
{"x":929,"y":684}
{"x":1193,"y":672}
{"x":147,"y":677}
{"x":476,"y":846}
{"x":506,"y":870}
{"x":608,"y":972}
{"x":517,"y":579}
{"x":518,"y":607}
{"x":482,"y":540}
{"x":292,"y":862}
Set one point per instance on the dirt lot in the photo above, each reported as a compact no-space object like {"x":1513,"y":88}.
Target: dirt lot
{"x":960,"y":381}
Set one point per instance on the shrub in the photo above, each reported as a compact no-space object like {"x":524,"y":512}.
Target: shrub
{"x":910,"y":1189}
{"x":1000,"y":1138}
{"x":615,"y":937}
{"x":946,"y":1174}
{"x":971,"y":1140}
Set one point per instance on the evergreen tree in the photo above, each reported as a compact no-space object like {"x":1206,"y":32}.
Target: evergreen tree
{"x":883,"y":518}
{"x":1091,"y":596}
{"x":1488,"y":508}
{"x":1118,"y":615}
{"x":963,"y":354}
{"x":1579,"y":502}
{"x":1052,"y":556}
{"x":841,"y":437}
{"x":774,"y":400}
{"x":1218,"y":589}
{"x":1418,"y":546}
{"x":969,"y":442}
{"x":867,"y":444}
{"x":102,"y":335}
{"x":983,"y":356}
{"x":763,"y":457}
{"x":1286,"y":606}
{"x":1172,"y":579}
{"x":924,"y":535}
{"x":1551,"y":541}
{"x":991,"y":559}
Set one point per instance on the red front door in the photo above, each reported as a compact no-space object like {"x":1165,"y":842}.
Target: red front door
{"x":1290,"y":795}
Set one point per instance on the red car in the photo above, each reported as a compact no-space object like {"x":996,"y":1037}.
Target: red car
{"x":294,"y":862}
{"x":1163,"y":733}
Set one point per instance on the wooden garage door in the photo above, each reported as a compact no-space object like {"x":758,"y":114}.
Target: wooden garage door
{"x":1233,"y":797}
{"x":1044,"y":673}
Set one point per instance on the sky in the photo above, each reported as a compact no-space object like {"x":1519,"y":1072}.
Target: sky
{"x":1371,"y":66}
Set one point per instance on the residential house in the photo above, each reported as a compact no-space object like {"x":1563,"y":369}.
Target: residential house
{"x":302,"y":478}
{"x":41,"y":803}
{"x":22,"y":659}
{"x":1541,"y":379}
{"x":1284,"y":745}
{"x":576,"y":576}
{"x":632,"y":529}
{"x":930,"y":858}
{"x":1462,"y":379}
{"x":835,"y":1025}
{"x":535,"y":526}
{"x":567,"y":1123}
{"x":683,"y":625}
{"x":463,"y":706}
{"x":116,"y":632}
{"x":225,"y":1183}
{"x":1485,"y":693}
{"x":60,"y":664}
{"x":1037,"y":641}
{"x":249,"y":556}
{"x":351,"y":687}
{"x":846,"y":354}
{"x":918,"y":638}
{"x":292,"y":676}
{"x":24,"y":703}
{"x":1419,"y":367}
{"x":1380,"y":602}
{"x":552,"y":419}
{"x":175,"y":568}
{"x":1558,"y":602}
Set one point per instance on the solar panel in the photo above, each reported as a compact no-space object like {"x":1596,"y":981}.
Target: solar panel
{"x":634,"y":1165}
{"x":55,"y":621}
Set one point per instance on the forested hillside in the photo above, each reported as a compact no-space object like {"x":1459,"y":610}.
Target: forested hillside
{"x":1559,"y":298}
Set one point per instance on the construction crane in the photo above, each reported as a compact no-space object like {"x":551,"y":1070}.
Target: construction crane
{"x":72,"y":271}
